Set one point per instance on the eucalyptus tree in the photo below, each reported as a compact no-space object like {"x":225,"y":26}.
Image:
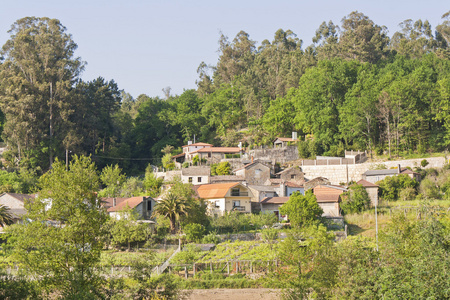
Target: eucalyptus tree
{"x":38,"y":70}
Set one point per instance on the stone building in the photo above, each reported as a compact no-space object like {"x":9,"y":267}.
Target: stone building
{"x":254,"y":173}
{"x":372,"y":190}
{"x":293,"y":174}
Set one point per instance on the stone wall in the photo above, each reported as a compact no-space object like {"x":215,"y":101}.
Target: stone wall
{"x":274,"y":155}
{"x":338,"y":173}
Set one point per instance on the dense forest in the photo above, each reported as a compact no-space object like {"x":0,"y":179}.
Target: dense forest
{"x":354,"y":88}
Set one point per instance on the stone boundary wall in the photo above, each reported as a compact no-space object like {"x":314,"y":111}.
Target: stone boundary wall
{"x":338,"y":173}
{"x":280,"y":155}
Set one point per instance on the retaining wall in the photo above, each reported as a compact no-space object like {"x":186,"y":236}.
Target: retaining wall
{"x":338,"y":173}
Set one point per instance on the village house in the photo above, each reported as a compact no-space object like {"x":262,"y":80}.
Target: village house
{"x":281,"y":142}
{"x":196,"y":175}
{"x":141,"y":205}
{"x":372,"y":191}
{"x":16,"y":203}
{"x":374,"y":176}
{"x":255,"y":173}
{"x":225,"y":197}
{"x":272,"y":205}
{"x":292,"y":174}
{"x":328,"y":198}
{"x":206,"y":152}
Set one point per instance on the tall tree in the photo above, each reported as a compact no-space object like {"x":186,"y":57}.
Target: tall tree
{"x":62,"y":243}
{"x":38,"y":70}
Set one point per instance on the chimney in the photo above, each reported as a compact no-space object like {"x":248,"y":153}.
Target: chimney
{"x":294,"y":135}
{"x":399,"y":169}
{"x":282,"y":189}
{"x":114,"y":201}
{"x":252,"y":158}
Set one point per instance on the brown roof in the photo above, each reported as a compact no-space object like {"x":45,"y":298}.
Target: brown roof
{"x":222,"y":178}
{"x":366,"y":183}
{"x":196,"y":171}
{"x":407,"y":171}
{"x":198,"y":144}
{"x":284,"y":139}
{"x":179,"y":155}
{"x":275,"y":200}
{"x":20,"y":197}
{"x":218,"y":150}
{"x":128,"y":203}
{"x":324,"y":198}
{"x":108,"y":202}
{"x":293,"y":184}
{"x":217,"y":190}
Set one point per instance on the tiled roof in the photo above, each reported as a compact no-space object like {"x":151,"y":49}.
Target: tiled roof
{"x":217,"y":190}
{"x":381,"y":172}
{"x":325,"y":198}
{"x":284,"y":139}
{"x":228,"y":178}
{"x":179,"y":155}
{"x":293,"y":184}
{"x":198,"y":144}
{"x":128,"y":203}
{"x":196,"y":171}
{"x":366,"y":183}
{"x":218,"y":150}
{"x":20,"y":197}
{"x":274,"y":200}
{"x":108,"y":202}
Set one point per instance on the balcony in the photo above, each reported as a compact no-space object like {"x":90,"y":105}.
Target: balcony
{"x":239,"y":208}
{"x":239,"y":194}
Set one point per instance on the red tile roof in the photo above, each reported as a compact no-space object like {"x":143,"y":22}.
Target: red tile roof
{"x":366,"y":183}
{"x":274,"y":200}
{"x":198,"y":144}
{"x":128,"y":203}
{"x":217,"y":190}
{"x":325,"y":198}
{"x":218,"y":150}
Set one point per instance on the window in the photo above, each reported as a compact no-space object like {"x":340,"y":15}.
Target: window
{"x":149,"y":205}
{"x":258,"y":173}
{"x":293,"y":176}
{"x":190,"y":179}
{"x":199,"y":179}
{"x":236,"y":203}
{"x":235,"y":192}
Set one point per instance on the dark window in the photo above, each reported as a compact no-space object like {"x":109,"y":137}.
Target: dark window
{"x":293,"y":176}
{"x":235,"y":192}
{"x":190,"y":179}
{"x":149,"y":205}
{"x":199,"y":179}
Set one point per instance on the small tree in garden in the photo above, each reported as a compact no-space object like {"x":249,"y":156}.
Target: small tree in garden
{"x":302,"y":209}
{"x":355,"y":200}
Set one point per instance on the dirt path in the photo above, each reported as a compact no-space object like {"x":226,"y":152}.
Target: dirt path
{"x":235,"y":294}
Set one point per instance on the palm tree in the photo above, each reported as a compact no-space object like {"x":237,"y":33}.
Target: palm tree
{"x":173,"y":207}
{"x":5,"y":216}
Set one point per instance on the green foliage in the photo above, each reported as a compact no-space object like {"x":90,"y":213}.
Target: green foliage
{"x":195,"y":160}
{"x":223,"y":168}
{"x":355,"y":200}
{"x":113,"y":178}
{"x":302,"y":209}
{"x":63,"y":256}
{"x":151,"y":184}
{"x":263,"y":219}
{"x":167,"y":161}
{"x":391,"y":186}
{"x":211,"y":238}
{"x":424,"y":163}
{"x":5,"y":216}
{"x":194,"y":232}
{"x":126,"y":230}
{"x":17,"y":182}
{"x":188,"y":255}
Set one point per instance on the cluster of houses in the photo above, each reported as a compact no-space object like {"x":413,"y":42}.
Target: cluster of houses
{"x":253,"y":187}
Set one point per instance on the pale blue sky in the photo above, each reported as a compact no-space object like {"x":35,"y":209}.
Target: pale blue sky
{"x":148,"y":45}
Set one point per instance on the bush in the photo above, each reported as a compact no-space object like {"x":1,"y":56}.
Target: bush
{"x":211,"y":238}
{"x":195,"y":160}
{"x":424,"y":163}
{"x":223,"y":168}
{"x":185,"y":165}
{"x":355,"y":200}
{"x":390,"y":187}
{"x":194,"y":232}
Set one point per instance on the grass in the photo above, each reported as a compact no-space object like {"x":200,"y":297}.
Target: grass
{"x":406,"y":155}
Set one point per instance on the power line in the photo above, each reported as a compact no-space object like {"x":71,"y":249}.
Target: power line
{"x":125,"y":158}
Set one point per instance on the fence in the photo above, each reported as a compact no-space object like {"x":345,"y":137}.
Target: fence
{"x":225,"y":267}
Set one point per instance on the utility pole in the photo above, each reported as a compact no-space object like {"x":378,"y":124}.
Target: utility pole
{"x":376,"y":225}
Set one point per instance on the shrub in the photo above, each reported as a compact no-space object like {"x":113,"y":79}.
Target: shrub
{"x":355,"y":200}
{"x":195,"y":160}
{"x":424,"y":163}
{"x":185,"y":165}
{"x":211,"y":238}
{"x":390,"y":187}
{"x":194,"y":232}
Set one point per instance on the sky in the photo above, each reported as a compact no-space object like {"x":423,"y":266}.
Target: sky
{"x":148,"y":45}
